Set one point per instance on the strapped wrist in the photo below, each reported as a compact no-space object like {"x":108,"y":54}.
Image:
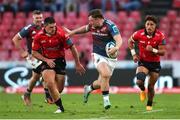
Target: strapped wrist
{"x":155,"y":50}
{"x":133,"y":52}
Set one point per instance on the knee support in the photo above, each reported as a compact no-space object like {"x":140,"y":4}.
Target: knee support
{"x":141,"y":76}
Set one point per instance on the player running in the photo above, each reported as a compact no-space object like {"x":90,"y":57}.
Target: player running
{"x":103,"y":31}
{"x":29,"y":32}
{"x":151,"y":44}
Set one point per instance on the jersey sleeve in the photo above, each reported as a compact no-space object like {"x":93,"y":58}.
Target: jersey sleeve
{"x":135,"y":36}
{"x":24,"y":31}
{"x":163,"y":40}
{"x":112,"y":28}
{"x":67,"y":42}
{"x":36,"y":44}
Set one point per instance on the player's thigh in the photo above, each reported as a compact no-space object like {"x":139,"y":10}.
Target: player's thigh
{"x":49,"y":75}
{"x":104,"y":69}
{"x":60,"y":79}
{"x":142,"y":69}
{"x":35,"y":76}
{"x":153,"y":77}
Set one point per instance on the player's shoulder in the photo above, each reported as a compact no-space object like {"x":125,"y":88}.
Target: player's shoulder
{"x":139,"y":32}
{"x":160,"y":34}
{"x":60,"y":30}
{"x":109,"y":22}
{"x":29,"y":26}
{"x":40,"y":33}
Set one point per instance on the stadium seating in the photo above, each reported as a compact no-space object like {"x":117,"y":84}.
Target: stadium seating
{"x":10,"y":24}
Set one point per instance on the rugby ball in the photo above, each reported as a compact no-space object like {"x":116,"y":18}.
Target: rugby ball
{"x":109,"y":45}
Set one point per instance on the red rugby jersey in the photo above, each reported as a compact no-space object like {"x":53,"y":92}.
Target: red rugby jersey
{"x":52,"y":46}
{"x":143,"y":40}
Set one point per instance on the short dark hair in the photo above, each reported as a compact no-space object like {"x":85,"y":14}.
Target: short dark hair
{"x":96,"y":13}
{"x":49,"y":20}
{"x":37,"y":12}
{"x":152,"y":18}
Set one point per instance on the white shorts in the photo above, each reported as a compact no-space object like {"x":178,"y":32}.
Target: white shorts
{"x":99,"y":58}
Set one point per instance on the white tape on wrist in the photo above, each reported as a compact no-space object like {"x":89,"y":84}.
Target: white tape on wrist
{"x":154,"y":50}
{"x":33,"y":62}
{"x":133,"y":52}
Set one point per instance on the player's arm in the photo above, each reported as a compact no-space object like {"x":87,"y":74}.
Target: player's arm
{"x":131,"y":44}
{"x":160,"y":51}
{"x":79,"y":68}
{"x":17,"y":42}
{"x":35,"y":47}
{"x":118,"y":40}
{"x":80,"y":30}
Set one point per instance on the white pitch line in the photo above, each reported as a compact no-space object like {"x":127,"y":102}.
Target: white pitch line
{"x":153,"y":111}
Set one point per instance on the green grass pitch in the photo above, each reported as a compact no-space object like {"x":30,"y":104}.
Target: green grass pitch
{"x":124,"y":106}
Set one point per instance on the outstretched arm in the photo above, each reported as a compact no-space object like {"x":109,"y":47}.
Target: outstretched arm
{"x":80,"y":30}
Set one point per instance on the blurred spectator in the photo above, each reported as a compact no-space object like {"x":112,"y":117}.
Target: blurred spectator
{"x":49,"y":5}
{"x":104,"y":5}
{"x":94,"y":4}
{"x":71,"y":5}
{"x":10,"y":5}
{"x":130,"y":5}
{"x":30,"y":5}
{"x":60,"y":5}
{"x":83,"y":5}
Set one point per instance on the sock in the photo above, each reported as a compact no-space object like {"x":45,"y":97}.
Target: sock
{"x":142,"y":88}
{"x":28,"y":91}
{"x":47,"y":93}
{"x":59,"y":104}
{"x":90,"y":88}
{"x":149,"y":103}
{"x":105,"y":95}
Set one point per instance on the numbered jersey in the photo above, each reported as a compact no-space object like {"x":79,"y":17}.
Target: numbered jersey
{"x":29,"y":32}
{"x":102,"y":35}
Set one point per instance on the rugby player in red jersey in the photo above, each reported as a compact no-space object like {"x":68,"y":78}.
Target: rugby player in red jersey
{"x":29,"y":32}
{"x":52,"y":41}
{"x":151,"y":44}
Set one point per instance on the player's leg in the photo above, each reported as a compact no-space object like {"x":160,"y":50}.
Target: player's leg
{"x":89,"y":88}
{"x":152,"y":80}
{"x":48,"y":98}
{"x":32,"y":82}
{"x":49,"y":78}
{"x":60,"y":79}
{"x":141,"y":73}
{"x":105,"y":73}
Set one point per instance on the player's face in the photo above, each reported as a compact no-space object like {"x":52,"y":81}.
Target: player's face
{"x":51,"y":28}
{"x":95,"y":22}
{"x":150,"y":27}
{"x":37,"y":19}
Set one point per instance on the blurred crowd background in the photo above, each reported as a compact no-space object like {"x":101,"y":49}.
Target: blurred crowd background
{"x":128,"y":15}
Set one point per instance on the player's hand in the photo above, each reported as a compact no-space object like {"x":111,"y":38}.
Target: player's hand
{"x":50,"y":62}
{"x":112,"y":51}
{"x":135,"y":58}
{"x":80,"y":69}
{"x":24,"y":54}
{"x":149,"y":48}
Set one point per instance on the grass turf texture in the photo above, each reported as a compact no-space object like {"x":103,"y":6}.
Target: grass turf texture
{"x":124,"y":106}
